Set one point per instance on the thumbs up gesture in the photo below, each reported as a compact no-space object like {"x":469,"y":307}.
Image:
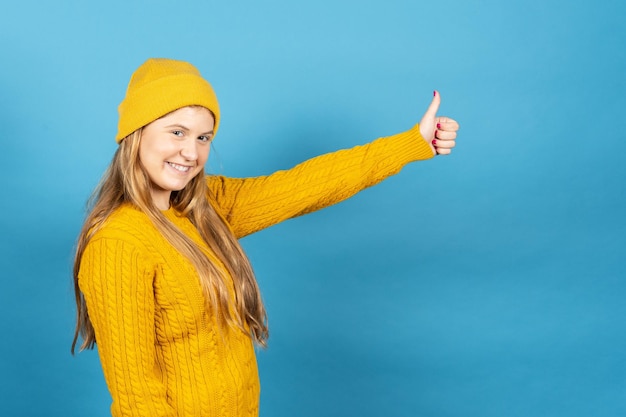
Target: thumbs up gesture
{"x":439,"y":132}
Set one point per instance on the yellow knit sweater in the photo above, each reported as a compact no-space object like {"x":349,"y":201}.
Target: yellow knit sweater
{"x":160,"y":350}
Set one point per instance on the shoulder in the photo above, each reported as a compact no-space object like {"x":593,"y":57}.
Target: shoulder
{"x":119,"y":253}
{"x":129,"y":225}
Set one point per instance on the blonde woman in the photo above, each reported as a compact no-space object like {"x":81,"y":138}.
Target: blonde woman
{"x":162,"y":284}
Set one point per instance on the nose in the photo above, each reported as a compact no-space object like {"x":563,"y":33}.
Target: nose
{"x":189,"y":150}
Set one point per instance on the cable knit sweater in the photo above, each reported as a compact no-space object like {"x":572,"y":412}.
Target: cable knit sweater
{"x":160,"y":350}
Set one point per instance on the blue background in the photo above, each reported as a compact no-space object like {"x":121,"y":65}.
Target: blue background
{"x":488,"y":283}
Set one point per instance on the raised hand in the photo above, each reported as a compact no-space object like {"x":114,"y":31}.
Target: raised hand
{"x":439,"y":132}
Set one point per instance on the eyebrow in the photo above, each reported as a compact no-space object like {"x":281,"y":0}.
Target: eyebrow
{"x":183,"y":127}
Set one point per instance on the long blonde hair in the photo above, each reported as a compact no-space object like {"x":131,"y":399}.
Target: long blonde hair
{"x":126,"y":181}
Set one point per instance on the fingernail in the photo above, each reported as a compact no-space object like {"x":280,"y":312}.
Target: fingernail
{"x":434,"y":142}
{"x":435,"y":93}
{"x":438,"y":125}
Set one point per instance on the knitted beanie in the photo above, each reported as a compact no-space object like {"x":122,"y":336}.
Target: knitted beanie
{"x":160,"y":86}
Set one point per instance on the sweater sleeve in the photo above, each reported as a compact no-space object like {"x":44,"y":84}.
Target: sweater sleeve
{"x":117,"y":286}
{"x":252,"y":204}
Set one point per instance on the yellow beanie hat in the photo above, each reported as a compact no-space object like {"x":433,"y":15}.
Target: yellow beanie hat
{"x":160,"y":86}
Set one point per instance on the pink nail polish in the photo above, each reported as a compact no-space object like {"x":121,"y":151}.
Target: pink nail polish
{"x":434,"y":93}
{"x":434,"y":142}
{"x":438,"y":125}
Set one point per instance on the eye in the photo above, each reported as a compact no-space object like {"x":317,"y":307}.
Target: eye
{"x":205,"y":138}
{"x":178,"y":133}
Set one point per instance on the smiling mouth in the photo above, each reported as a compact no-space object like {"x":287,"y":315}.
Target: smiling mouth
{"x":179,"y":168}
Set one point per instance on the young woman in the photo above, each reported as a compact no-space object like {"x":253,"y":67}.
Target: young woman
{"x":162,"y":284}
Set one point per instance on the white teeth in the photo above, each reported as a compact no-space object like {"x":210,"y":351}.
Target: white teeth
{"x":180,"y":168}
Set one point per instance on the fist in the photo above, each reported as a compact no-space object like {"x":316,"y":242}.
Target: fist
{"x":438,"y":131}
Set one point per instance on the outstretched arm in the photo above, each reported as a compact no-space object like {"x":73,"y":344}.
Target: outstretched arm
{"x":251,"y":204}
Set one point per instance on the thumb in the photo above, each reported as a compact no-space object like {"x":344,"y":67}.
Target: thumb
{"x":434,"y":106}
{"x":427,"y":124}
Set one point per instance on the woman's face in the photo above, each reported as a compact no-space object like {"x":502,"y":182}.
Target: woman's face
{"x":173,"y":150}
